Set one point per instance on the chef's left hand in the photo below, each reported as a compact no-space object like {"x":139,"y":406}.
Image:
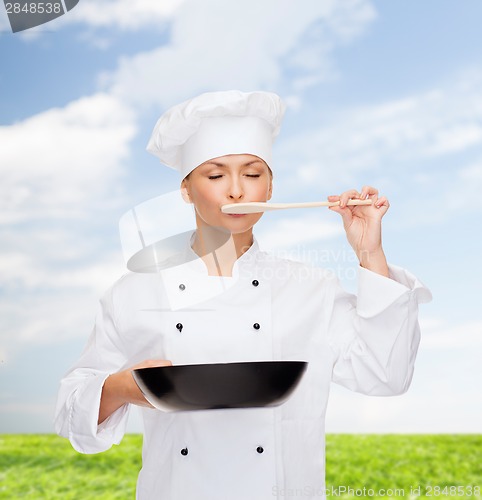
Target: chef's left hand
{"x":363,"y":226}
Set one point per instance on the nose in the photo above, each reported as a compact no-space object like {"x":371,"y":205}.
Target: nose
{"x":236,"y":191}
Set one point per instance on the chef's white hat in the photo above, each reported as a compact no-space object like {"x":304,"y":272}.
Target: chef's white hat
{"x":217,"y":124}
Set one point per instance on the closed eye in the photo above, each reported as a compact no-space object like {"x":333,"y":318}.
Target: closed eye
{"x":214,"y":177}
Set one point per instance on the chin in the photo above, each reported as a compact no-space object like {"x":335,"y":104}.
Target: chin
{"x":237,"y":225}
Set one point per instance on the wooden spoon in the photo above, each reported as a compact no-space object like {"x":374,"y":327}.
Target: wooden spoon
{"x":256,"y":207}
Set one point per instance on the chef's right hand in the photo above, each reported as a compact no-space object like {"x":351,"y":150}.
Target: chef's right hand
{"x":120,"y":388}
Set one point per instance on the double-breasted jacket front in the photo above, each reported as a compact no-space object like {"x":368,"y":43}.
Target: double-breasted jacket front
{"x":270,"y":309}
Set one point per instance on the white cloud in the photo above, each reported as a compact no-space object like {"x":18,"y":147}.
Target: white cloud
{"x":55,"y":163}
{"x":297,"y":231}
{"x":472,"y":173}
{"x":455,"y":138}
{"x":430,"y":409}
{"x":390,"y":137}
{"x":247,"y":45}
{"x":4,"y":23}
{"x":46,"y":317}
{"x":19,"y":416}
{"x":455,"y":193}
{"x":33,"y":271}
{"x":464,"y":193}
{"x":341,"y":22}
{"x":53,"y":166}
{"x":437,"y":335}
{"x":51,"y":281}
{"x":62,"y":158}
{"x":53,"y":306}
{"x":43,"y":409}
{"x":95,"y":277}
{"x":122,"y":14}
{"x":444,"y":395}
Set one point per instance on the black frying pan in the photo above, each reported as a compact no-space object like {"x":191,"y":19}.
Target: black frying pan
{"x":220,"y":385}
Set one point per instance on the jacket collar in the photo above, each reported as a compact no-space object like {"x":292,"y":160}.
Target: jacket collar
{"x":188,"y":283}
{"x":193,"y":262}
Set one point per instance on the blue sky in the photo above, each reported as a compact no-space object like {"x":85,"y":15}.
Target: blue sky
{"x":378,"y":92}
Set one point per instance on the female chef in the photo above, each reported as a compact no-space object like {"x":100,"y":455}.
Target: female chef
{"x":266,"y":309}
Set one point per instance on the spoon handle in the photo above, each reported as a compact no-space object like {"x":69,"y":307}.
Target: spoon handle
{"x":256,"y":207}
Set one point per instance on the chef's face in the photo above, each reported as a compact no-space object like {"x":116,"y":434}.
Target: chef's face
{"x":227,"y":179}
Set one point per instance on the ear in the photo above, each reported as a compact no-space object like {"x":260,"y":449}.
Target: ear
{"x":185,"y":193}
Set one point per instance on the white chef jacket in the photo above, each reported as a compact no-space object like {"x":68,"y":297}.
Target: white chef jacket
{"x":366,"y":343}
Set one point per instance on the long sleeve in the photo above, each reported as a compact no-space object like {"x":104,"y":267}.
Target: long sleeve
{"x":80,"y":391}
{"x":375,"y":336}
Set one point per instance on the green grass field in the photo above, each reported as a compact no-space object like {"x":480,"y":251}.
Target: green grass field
{"x":372,"y":466}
